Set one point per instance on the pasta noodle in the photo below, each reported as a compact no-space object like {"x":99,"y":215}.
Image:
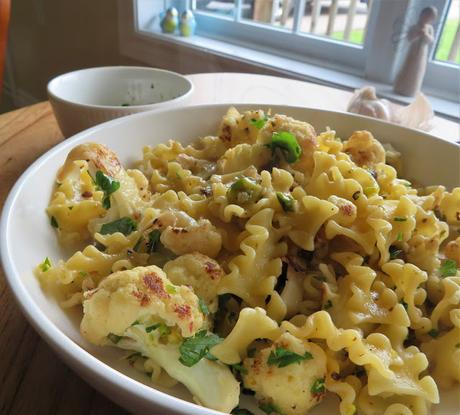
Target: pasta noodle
{"x":298,"y":264}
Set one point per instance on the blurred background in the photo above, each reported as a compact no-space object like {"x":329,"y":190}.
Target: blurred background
{"x":339,"y":42}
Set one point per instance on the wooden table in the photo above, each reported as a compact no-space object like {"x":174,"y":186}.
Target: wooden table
{"x":32,"y":379}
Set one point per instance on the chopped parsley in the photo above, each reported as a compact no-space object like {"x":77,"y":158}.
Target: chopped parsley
{"x":433,"y":333}
{"x":399,"y":236}
{"x":45,"y":265}
{"x":194,"y":348}
{"x":53,"y":222}
{"x":163,"y":329}
{"x":251,"y":352}
{"x":258,"y":123}
{"x":108,"y":185}
{"x":356,"y":195}
{"x":137,"y":246}
{"x":404,"y":304}
{"x":399,"y":219}
{"x":238,"y":367}
{"x":318,"y":386}
{"x":448,"y":269}
{"x":114,"y":338}
{"x":203,"y":307}
{"x":154,"y":239}
{"x":269,"y":408}
{"x":287,"y":143}
{"x":286,"y":201}
{"x":395,"y":252}
{"x":282,"y":357}
{"x":124,"y":225}
{"x":170,"y":289}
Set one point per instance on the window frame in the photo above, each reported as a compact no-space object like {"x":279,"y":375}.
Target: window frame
{"x":375,"y":62}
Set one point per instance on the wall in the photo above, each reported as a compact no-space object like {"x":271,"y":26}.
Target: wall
{"x":50,"y":37}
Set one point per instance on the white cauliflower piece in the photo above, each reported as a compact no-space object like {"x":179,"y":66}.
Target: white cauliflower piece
{"x":199,"y":235}
{"x":132,"y":295}
{"x":200,"y":272}
{"x":364,"y":149}
{"x":141,"y":310}
{"x":292,"y":389}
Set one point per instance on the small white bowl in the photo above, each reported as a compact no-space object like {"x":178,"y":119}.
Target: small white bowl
{"x":87,"y":97}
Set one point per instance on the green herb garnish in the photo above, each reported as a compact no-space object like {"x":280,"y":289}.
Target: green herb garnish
{"x":124,"y":225}
{"x":108,"y":185}
{"x":448,"y":269}
{"x":194,"y":348}
{"x":288,"y":145}
{"x":399,"y":219}
{"x":170,"y":289}
{"x":258,"y":123}
{"x":404,"y":304}
{"x":244,"y":190}
{"x":399,"y":236}
{"x":433,"y":333}
{"x":287,"y":202}
{"x":318,"y":386}
{"x":125,"y":104}
{"x":114,"y":338}
{"x":154,"y":238}
{"x":395,"y":252}
{"x":53,"y":222}
{"x":45,"y":265}
{"x":282,"y":357}
{"x":269,"y":408}
{"x":251,"y":352}
{"x":137,"y":246}
{"x":239,"y":368}
{"x":203,"y":307}
{"x":163,"y":329}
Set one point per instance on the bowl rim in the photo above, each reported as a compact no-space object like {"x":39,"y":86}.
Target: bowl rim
{"x":71,"y":352}
{"x":53,"y":96}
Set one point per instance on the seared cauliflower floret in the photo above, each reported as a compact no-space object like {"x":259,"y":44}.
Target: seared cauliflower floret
{"x":291,"y":387}
{"x":128,"y":296}
{"x":237,"y":128}
{"x":199,"y":271}
{"x":364,"y":149}
{"x":199,"y":236}
{"x":141,"y":310}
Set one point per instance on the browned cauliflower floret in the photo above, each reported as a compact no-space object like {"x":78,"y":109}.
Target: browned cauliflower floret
{"x":200,"y":272}
{"x":290,"y":384}
{"x":364,"y":149}
{"x":127,"y":296}
{"x":237,"y":128}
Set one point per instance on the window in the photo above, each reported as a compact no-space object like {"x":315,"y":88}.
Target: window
{"x":356,"y":39}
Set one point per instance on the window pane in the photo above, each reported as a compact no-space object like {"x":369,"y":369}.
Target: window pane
{"x":344,"y":20}
{"x":448,"y":49}
{"x":222,"y":7}
{"x":278,"y":13}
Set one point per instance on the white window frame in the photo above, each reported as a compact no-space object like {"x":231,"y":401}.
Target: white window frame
{"x":302,"y":54}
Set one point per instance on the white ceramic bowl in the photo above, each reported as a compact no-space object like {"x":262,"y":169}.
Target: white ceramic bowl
{"x":27,"y":238}
{"x":84,"y":98}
